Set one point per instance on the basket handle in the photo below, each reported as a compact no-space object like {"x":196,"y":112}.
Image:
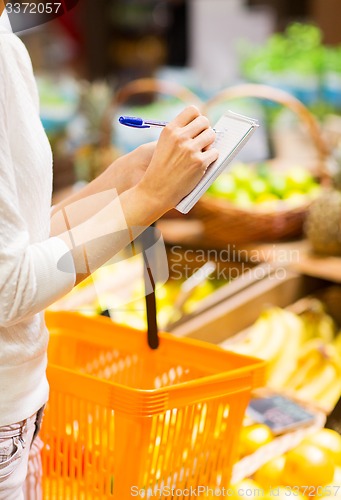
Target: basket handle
{"x":281,"y":97}
{"x":145,"y":86}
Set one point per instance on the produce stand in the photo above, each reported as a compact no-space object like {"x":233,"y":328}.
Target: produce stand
{"x":224,"y":315}
{"x":228,"y":320}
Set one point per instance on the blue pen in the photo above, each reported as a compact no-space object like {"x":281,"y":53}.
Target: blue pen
{"x":136,"y":122}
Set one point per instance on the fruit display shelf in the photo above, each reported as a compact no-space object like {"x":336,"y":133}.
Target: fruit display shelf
{"x":325,"y":267}
{"x":225,"y":314}
{"x":118,"y":290}
{"x":294,"y":323}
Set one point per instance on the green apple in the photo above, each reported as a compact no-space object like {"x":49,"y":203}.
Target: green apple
{"x":258,"y":187}
{"x":263,"y":170}
{"x":267,"y":202}
{"x":314,"y":191}
{"x":224,"y":186}
{"x":278,"y":184}
{"x":242,"y":198}
{"x":296,"y":198}
{"x":242,"y":175}
{"x":299,"y":178}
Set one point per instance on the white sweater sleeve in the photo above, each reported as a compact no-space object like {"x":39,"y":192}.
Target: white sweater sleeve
{"x":30,"y":279}
{"x":29,"y":276}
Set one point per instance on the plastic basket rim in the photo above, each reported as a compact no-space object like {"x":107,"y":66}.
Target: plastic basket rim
{"x":148,"y":401}
{"x":168,"y":337}
{"x":197,"y":382}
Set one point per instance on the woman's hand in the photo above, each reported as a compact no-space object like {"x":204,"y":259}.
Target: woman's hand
{"x":181,"y":157}
{"x":127,"y":171}
{"x":153,"y":178}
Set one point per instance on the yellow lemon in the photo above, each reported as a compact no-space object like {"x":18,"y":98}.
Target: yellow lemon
{"x":330,"y":441}
{"x":269,"y":475}
{"x":254,"y":436}
{"x":308,"y":465}
{"x":247,"y":488}
{"x":332,"y":490}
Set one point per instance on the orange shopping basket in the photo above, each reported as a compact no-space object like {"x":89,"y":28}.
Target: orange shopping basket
{"x":126,"y":421}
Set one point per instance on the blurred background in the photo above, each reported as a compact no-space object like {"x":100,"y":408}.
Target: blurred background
{"x":84,"y":57}
{"x":150,"y":58}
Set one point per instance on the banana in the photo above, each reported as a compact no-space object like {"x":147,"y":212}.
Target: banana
{"x":324,"y":376}
{"x":337,"y":342}
{"x":330,"y":396}
{"x":276,"y":337}
{"x":317,"y":322}
{"x":285,"y":365}
{"x":308,"y":362}
{"x":256,"y":337}
{"x":326,"y":328}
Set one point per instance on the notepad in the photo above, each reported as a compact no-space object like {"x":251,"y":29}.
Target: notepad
{"x":232,"y":132}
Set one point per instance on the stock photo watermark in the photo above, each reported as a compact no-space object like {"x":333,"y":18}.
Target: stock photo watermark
{"x":24,"y":15}
{"x":232,"y":262}
{"x":202,"y":491}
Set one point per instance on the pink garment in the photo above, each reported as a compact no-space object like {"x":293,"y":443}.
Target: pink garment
{"x":20,"y":460}
{"x":33,"y":484}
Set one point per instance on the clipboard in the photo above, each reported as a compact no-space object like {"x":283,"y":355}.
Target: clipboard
{"x":232,"y":133}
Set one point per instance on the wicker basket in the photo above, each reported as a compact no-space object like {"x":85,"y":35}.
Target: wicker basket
{"x":223,"y":221}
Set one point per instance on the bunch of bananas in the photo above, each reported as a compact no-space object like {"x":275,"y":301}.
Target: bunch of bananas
{"x":303,"y":352}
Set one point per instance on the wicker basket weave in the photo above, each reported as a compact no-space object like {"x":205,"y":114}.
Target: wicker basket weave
{"x":223,"y":221}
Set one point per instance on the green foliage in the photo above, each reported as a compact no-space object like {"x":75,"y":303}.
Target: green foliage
{"x":299,"y":49}
{"x":298,"y":61}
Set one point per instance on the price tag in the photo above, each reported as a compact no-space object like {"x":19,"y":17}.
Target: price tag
{"x":279,"y":413}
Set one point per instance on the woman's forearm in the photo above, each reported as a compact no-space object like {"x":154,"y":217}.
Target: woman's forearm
{"x":99,"y":222}
{"x":93,"y":242}
{"x":123,"y":174}
{"x":104,"y":182}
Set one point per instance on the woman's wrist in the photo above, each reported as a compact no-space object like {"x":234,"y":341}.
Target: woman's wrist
{"x":140,"y":207}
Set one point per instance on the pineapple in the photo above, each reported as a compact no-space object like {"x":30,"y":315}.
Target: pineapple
{"x":323,"y":222}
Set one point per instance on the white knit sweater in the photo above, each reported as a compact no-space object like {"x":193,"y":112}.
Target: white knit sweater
{"x":29,"y":276}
